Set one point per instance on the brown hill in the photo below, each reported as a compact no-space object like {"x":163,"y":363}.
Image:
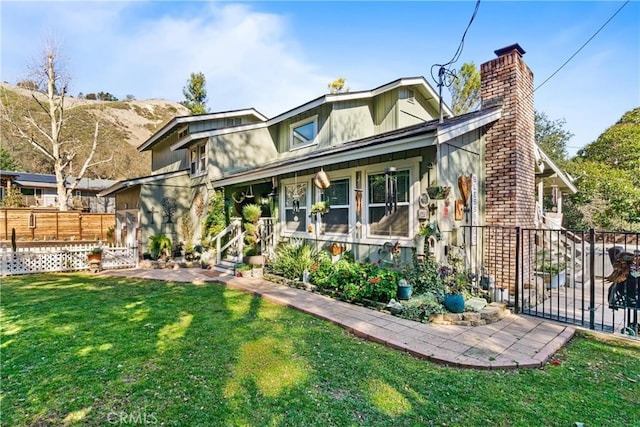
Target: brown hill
{"x":123,"y":126}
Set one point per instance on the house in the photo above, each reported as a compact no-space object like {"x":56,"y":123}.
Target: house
{"x":39,"y":190}
{"x":392,"y":164}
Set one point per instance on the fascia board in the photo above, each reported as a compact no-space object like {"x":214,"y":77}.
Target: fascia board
{"x":559,"y":172}
{"x":203,"y":117}
{"x":447,"y":133}
{"x":209,"y":133}
{"x":137,"y":181}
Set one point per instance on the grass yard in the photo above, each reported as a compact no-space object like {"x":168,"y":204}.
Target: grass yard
{"x":88,"y":350}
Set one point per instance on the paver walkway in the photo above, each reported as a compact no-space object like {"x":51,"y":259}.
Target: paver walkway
{"x":513,"y":342}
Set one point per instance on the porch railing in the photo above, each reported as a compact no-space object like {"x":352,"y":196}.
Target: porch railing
{"x":562,"y":275}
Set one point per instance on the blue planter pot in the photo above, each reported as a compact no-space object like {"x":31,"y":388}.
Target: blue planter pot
{"x":404,"y":292}
{"x":454,"y":303}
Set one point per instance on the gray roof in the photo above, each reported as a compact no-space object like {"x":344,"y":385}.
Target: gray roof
{"x":40,"y":180}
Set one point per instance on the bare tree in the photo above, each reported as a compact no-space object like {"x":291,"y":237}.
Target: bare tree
{"x":47,"y":136}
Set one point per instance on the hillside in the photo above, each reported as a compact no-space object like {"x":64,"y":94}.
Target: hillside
{"x":123,"y":126}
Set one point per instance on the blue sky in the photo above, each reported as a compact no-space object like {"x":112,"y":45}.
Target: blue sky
{"x":276,"y":55}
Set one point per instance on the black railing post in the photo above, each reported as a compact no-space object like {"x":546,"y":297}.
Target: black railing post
{"x":592,"y":278}
{"x":516,"y":297}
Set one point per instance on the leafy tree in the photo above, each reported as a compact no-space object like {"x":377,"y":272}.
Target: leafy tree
{"x":28,"y":84}
{"x":7,"y":162}
{"x":92,"y":96}
{"x":618,"y":146}
{"x":338,"y":86}
{"x":608,"y":180}
{"x":12,"y":199}
{"x":195,"y":94}
{"x":46,"y":133}
{"x":106,"y":96}
{"x":465,"y":89}
{"x":552,"y":137}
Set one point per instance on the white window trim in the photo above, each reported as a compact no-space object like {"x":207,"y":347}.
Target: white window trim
{"x":350,"y":205}
{"x":199,"y":171}
{"x":414,"y":191}
{"x":314,"y":120}
{"x":307,"y":207}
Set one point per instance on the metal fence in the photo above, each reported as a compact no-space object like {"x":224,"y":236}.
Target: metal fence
{"x":63,"y":258}
{"x":586,"y":277}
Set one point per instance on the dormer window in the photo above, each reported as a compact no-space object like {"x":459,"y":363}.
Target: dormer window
{"x":303,"y":133}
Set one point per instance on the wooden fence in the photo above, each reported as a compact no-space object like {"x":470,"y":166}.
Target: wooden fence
{"x":49,"y":224}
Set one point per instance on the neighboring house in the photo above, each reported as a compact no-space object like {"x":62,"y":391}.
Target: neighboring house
{"x":384,"y":150}
{"x":39,"y":190}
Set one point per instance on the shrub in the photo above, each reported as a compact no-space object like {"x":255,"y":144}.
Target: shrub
{"x":292,"y":258}
{"x":159,"y":245}
{"x":425,"y":277}
{"x":422,"y":307}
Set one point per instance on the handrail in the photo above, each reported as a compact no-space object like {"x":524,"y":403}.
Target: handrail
{"x":233,"y":226}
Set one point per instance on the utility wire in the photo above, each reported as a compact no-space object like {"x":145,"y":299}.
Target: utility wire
{"x":582,"y":47}
{"x":456,"y":55}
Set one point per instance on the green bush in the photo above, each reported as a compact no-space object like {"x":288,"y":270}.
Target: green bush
{"x":356,"y":281}
{"x":159,"y":245}
{"x":424,"y":277}
{"x":292,"y":258}
{"x":420,"y":308}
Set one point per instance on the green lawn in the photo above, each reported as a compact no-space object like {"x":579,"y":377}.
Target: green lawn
{"x":99,"y":351}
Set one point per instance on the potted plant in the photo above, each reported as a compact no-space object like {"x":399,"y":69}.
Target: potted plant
{"x":94,"y":259}
{"x":159,"y":246}
{"x":554,"y":275}
{"x":455,"y":282}
{"x":243,"y":270}
{"x":404,"y":289}
{"x":320,"y":208}
{"x":251,"y":214}
{"x":424,"y":231}
{"x":95,"y":254}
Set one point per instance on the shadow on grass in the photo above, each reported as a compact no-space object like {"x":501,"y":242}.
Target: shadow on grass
{"x":96,"y":348}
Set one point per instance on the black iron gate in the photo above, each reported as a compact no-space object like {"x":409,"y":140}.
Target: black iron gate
{"x":587,"y":278}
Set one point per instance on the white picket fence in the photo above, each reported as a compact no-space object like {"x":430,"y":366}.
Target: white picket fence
{"x":63,"y":258}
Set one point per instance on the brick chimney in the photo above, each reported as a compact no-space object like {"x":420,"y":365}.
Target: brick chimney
{"x":510,"y":187}
{"x":510,"y":174}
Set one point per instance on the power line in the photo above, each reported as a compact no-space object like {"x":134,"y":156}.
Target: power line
{"x":582,"y":47}
{"x":442,"y":68}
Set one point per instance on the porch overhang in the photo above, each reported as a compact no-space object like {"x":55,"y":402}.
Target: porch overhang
{"x":546,"y":169}
{"x":123,"y":185}
{"x":324,"y":159}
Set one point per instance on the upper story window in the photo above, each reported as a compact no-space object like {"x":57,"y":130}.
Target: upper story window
{"x":382,"y":222}
{"x":303,"y":133}
{"x":237,"y":121}
{"x":198,"y":159}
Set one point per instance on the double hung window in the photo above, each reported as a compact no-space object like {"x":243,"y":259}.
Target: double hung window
{"x":388,"y":213}
{"x":295,"y":207}
{"x":337,"y":219}
{"x":198,"y":159}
